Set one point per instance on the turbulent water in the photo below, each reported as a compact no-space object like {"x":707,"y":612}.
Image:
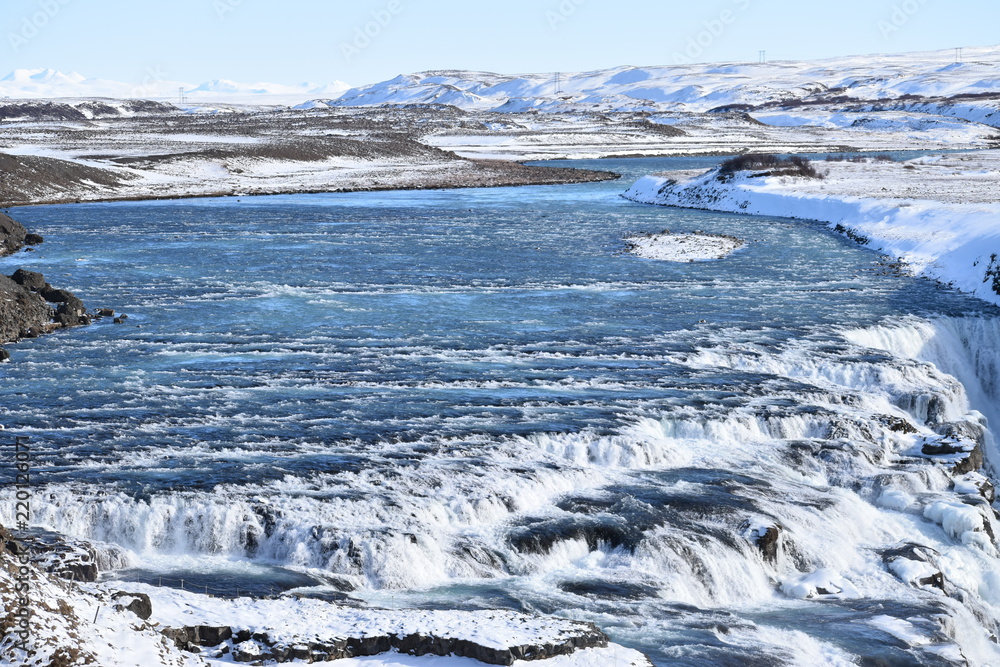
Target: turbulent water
{"x":474,"y":399}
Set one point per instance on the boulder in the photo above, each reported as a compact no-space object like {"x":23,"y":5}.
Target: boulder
{"x":963,"y":430}
{"x":896,"y":424}
{"x":68,"y":316}
{"x":4,"y":355}
{"x":33,"y":239}
{"x":71,"y":311}
{"x":53,"y":295}
{"x":137,"y":603}
{"x":198,"y":635}
{"x":29,"y":280}
{"x":766,"y":538}
{"x":915,"y":564}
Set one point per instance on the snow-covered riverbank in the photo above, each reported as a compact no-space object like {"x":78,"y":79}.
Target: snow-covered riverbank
{"x":70,"y":623}
{"x":940,"y":215}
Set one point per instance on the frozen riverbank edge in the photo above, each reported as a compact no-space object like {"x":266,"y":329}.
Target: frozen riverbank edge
{"x":52,"y":619}
{"x":938,"y":215}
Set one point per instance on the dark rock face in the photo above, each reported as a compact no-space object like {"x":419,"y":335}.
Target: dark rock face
{"x":56,"y":555}
{"x":12,"y":235}
{"x":768,"y":542}
{"x":965,"y":439}
{"x":24,"y":309}
{"x":944,"y":448}
{"x":23,"y":313}
{"x":77,"y":560}
{"x":9,"y":545}
{"x":199,"y":635}
{"x":986,"y":490}
{"x":976,"y":460}
{"x":137,"y":603}
{"x":258,"y":648}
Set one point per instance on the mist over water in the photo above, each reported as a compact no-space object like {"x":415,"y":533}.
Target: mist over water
{"x":472,"y":398}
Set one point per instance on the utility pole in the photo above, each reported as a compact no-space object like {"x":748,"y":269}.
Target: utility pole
{"x":183,"y":97}
{"x":958,"y":56}
{"x":762,"y":57}
{"x":558,"y":83}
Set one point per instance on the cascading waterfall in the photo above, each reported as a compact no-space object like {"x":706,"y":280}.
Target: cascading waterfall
{"x":964,"y":347}
{"x":676,"y":504}
{"x":770,"y":459}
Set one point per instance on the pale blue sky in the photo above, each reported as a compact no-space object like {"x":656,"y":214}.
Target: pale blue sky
{"x":299,"y":40}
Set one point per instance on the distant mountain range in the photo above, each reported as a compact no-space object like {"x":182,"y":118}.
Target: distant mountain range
{"x":689,"y":87}
{"x":49,"y":83}
{"x":697,"y":87}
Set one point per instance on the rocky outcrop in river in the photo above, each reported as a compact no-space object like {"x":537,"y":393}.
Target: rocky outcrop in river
{"x":29,"y":306}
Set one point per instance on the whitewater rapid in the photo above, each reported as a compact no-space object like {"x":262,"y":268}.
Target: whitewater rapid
{"x":717,"y":463}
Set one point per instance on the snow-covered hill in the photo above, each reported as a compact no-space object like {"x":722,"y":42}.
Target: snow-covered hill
{"x":902,"y":79}
{"x":155,"y":85}
{"x":698,"y":87}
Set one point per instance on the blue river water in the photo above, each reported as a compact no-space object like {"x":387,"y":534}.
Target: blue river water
{"x":475,"y":398}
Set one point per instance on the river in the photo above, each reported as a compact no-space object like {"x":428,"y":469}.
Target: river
{"x":472,"y":398}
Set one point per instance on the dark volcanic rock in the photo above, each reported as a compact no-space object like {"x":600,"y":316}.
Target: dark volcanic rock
{"x":198,"y":635}
{"x":22,"y":311}
{"x":768,"y":542}
{"x":259,"y":647}
{"x":12,"y":235}
{"x":9,"y":545}
{"x":963,"y":430}
{"x":71,"y":311}
{"x":4,"y":355}
{"x":137,"y":603}
{"x":53,"y":553}
{"x":896,"y":424}
{"x":54,"y":295}
{"x":974,"y":461}
{"x":29,"y":279}
{"x":33,"y":239}
{"x":944,"y":448}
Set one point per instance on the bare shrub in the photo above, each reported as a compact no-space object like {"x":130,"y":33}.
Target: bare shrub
{"x":769,"y":165}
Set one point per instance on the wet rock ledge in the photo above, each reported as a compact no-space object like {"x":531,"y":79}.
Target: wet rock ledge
{"x":29,"y":306}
